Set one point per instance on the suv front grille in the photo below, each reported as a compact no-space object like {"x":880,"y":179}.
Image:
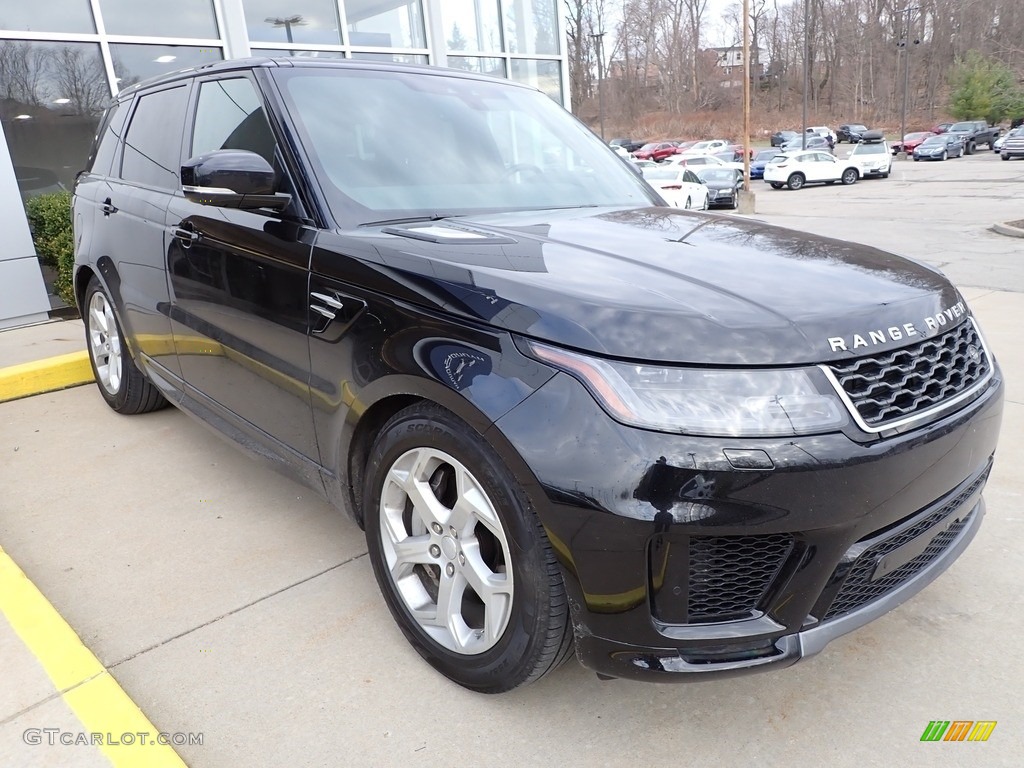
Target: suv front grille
{"x":858,"y":588}
{"x":729,"y":575}
{"x":900,"y":384}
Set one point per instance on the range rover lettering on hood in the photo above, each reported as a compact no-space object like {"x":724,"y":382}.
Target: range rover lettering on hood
{"x":932,"y":324}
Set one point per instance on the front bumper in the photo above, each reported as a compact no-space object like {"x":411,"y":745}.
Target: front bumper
{"x":689,"y":558}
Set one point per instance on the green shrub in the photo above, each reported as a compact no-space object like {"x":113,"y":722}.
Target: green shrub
{"x":50,"y":219}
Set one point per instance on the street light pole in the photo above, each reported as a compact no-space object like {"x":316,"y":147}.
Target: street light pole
{"x":904,"y":39}
{"x":598,"y":38}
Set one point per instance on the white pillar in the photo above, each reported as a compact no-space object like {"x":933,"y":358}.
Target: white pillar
{"x":23,"y":297}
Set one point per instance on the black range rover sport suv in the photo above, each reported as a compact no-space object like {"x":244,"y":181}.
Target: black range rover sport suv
{"x":568,"y":417}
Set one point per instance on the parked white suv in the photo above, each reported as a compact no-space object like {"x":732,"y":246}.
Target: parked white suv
{"x":872,"y":156}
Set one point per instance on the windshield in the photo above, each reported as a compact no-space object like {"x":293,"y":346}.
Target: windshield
{"x":765,"y":155}
{"x":962,"y":127}
{"x":392,"y":144}
{"x":933,"y":140}
{"x":871,"y":149}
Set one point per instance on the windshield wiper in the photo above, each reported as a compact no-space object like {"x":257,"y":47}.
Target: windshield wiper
{"x":411,"y":219}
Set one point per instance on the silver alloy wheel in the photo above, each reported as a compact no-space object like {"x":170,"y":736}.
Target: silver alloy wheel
{"x":446,"y":551}
{"x":105,"y":343}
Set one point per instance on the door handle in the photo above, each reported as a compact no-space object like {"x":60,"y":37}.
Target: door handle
{"x":187,"y":236}
{"x":108,"y":207}
{"x":327,"y":299}
{"x":322,"y":311}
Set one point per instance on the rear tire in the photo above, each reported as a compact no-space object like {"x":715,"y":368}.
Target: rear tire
{"x":459,"y":554}
{"x":120,"y":382}
{"x":796,"y":181}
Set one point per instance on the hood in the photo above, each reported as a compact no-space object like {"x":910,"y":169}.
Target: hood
{"x":656,"y":284}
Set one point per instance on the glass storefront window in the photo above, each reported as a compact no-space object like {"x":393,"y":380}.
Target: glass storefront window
{"x":288,"y":21}
{"x":393,"y":24}
{"x":51,"y":99}
{"x":471,"y":25}
{"x":299,"y":54}
{"x":545,"y":75}
{"x":49,"y":16}
{"x":483,"y":66}
{"x":135,"y":62}
{"x":180,"y":18}
{"x":400,"y":58}
{"x":531,"y":26}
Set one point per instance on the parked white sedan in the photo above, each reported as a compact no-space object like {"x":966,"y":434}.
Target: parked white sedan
{"x":701,"y":161}
{"x":795,"y":169}
{"x":705,"y":147}
{"x":679,"y":186}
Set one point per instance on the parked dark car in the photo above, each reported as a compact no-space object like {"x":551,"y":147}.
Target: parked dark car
{"x":939,"y":147}
{"x":724,"y":185}
{"x":567,"y":416}
{"x":656,"y":151}
{"x":974,"y":133}
{"x":851,"y":132}
{"x":629,"y":145}
{"x":781,"y":137}
{"x":760,"y":161}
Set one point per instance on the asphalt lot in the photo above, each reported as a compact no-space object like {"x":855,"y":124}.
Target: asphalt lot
{"x":231,"y":602}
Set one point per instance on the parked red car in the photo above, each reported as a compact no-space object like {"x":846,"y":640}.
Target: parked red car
{"x":911,"y":141}
{"x":656,"y":151}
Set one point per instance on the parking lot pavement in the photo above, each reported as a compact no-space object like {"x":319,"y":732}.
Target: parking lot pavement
{"x":937,"y":212}
{"x":228,"y":601}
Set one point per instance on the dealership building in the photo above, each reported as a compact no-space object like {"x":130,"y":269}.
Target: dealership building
{"x":62,"y":60}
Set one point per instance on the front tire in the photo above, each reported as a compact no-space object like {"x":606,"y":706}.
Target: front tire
{"x":944,"y":155}
{"x":777,"y":185}
{"x":460,"y":556}
{"x":119,"y":381}
{"x":849,"y":176}
{"x":687,"y":206}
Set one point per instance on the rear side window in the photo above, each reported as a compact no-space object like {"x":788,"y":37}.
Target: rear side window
{"x":153,"y":143}
{"x":229,"y":115}
{"x":111,"y":130}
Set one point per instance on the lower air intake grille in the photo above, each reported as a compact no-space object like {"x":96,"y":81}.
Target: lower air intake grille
{"x":730,"y":574}
{"x":858,"y":589}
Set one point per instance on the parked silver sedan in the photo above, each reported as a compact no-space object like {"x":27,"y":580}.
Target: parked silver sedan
{"x":939,"y":147}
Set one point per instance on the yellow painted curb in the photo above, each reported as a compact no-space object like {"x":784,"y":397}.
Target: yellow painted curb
{"x":100,"y":704}
{"x":45,"y":376}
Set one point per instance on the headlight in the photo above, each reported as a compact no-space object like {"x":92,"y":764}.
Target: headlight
{"x":701,"y":401}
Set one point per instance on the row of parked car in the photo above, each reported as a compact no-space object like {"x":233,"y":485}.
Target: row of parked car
{"x":709,"y":173}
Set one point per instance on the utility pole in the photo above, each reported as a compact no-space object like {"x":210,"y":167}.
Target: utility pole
{"x":746,"y":197}
{"x":807,"y":78}
{"x":904,"y":39}
{"x":598,"y":38}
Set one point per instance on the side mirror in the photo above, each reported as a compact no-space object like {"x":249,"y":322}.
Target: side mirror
{"x":232,"y":178}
